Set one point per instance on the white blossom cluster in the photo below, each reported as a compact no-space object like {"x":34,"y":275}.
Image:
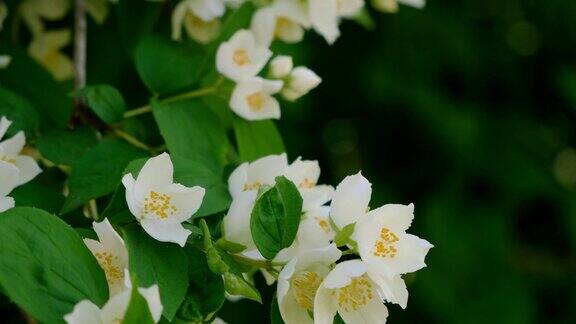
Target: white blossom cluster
{"x":312,"y":280}
{"x":243,"y":57}
{"x":15,"y":169}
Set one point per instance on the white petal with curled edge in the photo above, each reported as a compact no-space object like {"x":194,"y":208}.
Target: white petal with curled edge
{"x":134,"y":206}
{"x":350,"y":200}
{"x":85,"y":312}
{"x":324,"y":18}
{"x":324,"y":306}
{"x":186,"y":200}
{"x":28,"y":167}
{"x":166,"y":232}
{"x":115,"y":309}
{"x":266,"y":169}
{"x":236,"y":224}
{"x":238,"y":178}
{"x":394,"y":216}
{"x":156,"y":174}
{"x":392,"y":289}
{"x":152,"y":296}
{"x":343,"y":273}
{"x":13,"y":145}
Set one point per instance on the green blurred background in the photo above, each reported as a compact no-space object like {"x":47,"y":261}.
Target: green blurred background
{"x":466,"y":109}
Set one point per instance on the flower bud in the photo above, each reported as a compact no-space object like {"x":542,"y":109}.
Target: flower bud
{"x":301,"y":81}
{"x":281,"y":66}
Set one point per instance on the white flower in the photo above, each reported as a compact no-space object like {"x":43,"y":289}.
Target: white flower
{"x":299,"y":280}
{"x":10,"y":152}
{"x":85,"y":312}
{"x":241,"y":58}
{"x":299,"y":83}
{"x":9,"y":175}
{"x":276,"y":21}
{"x":252,"y":99}
{"x":200,"y":18}
{"x":383,"y":244}
{"x":243,"y":184}
{"x":159,"y":204}
{"x":281,"y":66}
{"x":351,"y":292}
{"x":111,"y":254}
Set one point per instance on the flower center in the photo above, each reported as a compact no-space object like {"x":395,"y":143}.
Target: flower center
{"x":252,"y":186}
{"x":241,"y":57}
{"x":255,"y":101}
{"x":385,"y":246}
{"x":159,"y":205}
{"x":307,"y":183}
{"x":357,"y":294}
{"x":107,"y":262}
{"x":305,"y":285}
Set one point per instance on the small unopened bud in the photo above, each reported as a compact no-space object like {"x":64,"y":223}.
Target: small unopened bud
{"x":301,"y":81}
{"x":281,"y":66}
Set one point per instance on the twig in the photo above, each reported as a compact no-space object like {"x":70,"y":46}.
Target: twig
{"x":131,"y":139}
{"x":80,"y":45}
{"x":191,"y":94}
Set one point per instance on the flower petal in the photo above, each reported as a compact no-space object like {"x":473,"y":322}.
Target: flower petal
{"x":166,"y":232}
{"x":14,"y":145}
{"x":343,"y":273}
{"x":134,"y":206}
{"x":236,"y":224}
{"x":85,"y":312}
{"x":187,"y":201}
{"x":28,"y":167}
{"x":6,"y":203}
{"x":324,"y":18}
{"x":350,"y":200}
{"x":375,"y":312}
{"x":10,"y":177}
{"x":4,"y":125}
{"x":156,"y":174}
{"x":152,"y":296}
{"x":324,"y":306}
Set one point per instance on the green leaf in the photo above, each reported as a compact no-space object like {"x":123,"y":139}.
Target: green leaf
{"x":167,"y":66}
{"x":158,"y":262}
{"x":138,"y":311}
{"x":31,"y":81}
{"x":343,"y":236}
{"x":44,"y":191}
{"x":20,"y":112}
{"x":105,"y":101}
{"x":193,"y":131}
{"x":256,"y":139}
{"x":205,"y":293}
{"x":98,"y":172}
{"x":65,"y":146}
{"x":45,"y":267}
{"x":275,"y":218}
{"x":235,"y":284}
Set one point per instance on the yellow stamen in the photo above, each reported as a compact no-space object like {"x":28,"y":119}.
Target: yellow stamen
{"x":305,"y":285}
{"x":241,"y":57}
{"x":385,"y":246}
{"x":159,"y":205}
{"x":357,"y":294}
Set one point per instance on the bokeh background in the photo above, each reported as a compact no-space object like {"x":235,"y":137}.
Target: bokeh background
{"x":466,"y":109}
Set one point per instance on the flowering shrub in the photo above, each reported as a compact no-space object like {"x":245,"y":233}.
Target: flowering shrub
{"x":169,"y":239}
